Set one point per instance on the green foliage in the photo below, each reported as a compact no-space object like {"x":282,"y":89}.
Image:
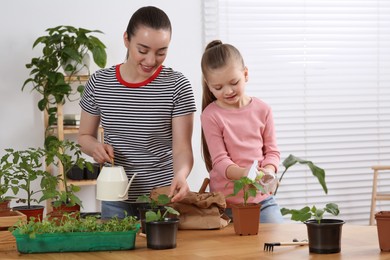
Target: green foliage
{"x":24,"y":168}
{"x":307,"y":213}
{"x":249,"y":187}
{"x":151,"y":215}
{"x":162,"y":199}
{"x":71,"y":223}
{"x":6,"y":179}
{"x":61,"y":45}
{"x":65,"y":153}
{"x":316,"y":171}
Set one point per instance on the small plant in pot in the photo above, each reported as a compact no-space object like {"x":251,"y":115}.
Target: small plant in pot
{"x":147,"y":203}
{"x":246,"y":216}
{"x":324,"y":234}
{"x":6,"y":180}
{"x":65,"y":154}
{"x":64,"y":49}
{"x":161,"y":230}
{"x":26,"y":169}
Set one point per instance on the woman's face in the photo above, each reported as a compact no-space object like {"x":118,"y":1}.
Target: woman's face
{"x":227,"y":84}
{"x":147,"y":50}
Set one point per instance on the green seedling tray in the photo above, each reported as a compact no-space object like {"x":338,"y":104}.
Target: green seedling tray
{"x":75,"y":242}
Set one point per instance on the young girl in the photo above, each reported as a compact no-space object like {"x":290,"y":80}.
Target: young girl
{"x":146,"y":111}
{"x":237,"y":129}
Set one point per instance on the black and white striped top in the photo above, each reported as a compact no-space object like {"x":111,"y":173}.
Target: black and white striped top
{"x":137,"y":121}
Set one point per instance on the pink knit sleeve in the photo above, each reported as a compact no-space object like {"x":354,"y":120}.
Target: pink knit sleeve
{"x":270,"y":148}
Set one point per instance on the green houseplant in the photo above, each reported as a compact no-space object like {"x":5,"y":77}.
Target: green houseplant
{"x":161,"y":230}
{"x":324,"y":234}
{"x":246,"y":215}
{"x":147,"y":203}
{"x":6,"y":186}
{"x":75,"y":234}
{"x":26,"y":169}
{"x":63,"y":46}
{"x":65,"y":154}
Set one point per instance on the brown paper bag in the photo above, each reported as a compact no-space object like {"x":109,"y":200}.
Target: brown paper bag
{"x":198,"y":210}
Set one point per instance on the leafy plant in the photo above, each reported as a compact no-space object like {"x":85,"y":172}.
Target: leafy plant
{"x":25,"y":168}
{"x":70,"y":223}
{"x":62,"y":44}
{"x":158,"y":216}
{"x":248,"y":187}
{"x":162,"y":199}
{"x":307,"y":213}
{"x":316,"y":171}
{"x":65,"y":154}
{"x":6,"y":180}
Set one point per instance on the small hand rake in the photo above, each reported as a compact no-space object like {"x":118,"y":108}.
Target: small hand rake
{"x":270,"y":246}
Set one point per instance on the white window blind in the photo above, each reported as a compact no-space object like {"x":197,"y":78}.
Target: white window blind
{"x":324,"y":67}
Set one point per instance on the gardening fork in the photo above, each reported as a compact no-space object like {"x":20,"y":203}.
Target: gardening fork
{"x":270,"y":246}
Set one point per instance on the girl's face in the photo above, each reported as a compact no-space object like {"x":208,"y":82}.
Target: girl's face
{"x":147,"y":51}
{"x":227,"y":84}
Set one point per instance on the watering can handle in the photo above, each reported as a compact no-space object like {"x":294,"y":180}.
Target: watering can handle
{"x":128,"y":186}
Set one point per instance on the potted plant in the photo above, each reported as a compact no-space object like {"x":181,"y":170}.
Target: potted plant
{"x":65,"y":154}
{"x":6,"y":186}
{"x":75,"y":234}
{"x":64,"y":48}
{"x":246,"y":215}
{"x":147,"y":203}
{"x":161,"y":230}
{"x":25,"y":167}
{"x":324,"y":234}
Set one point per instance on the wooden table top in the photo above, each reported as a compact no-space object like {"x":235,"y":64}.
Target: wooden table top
{"x":358,"y":242}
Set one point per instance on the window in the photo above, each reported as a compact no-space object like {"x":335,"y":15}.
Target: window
{"x":324,"y":67}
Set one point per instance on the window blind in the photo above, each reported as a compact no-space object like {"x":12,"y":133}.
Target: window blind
{"x":324,"y":67}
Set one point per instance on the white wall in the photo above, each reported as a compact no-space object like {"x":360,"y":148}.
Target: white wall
{"x":22,"y":21}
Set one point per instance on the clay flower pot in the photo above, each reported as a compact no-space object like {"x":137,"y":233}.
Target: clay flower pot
{"x":246,"y":219}
{"x":383,"y":227}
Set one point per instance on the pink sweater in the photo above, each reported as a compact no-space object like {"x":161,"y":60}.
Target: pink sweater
{"x":239,"y":136}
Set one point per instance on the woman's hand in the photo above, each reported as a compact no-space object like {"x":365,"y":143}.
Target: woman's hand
{"x":103,"y":153}
{"x":179,"y":189}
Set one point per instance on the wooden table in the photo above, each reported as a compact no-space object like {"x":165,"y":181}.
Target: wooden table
{"x":358,"y":242}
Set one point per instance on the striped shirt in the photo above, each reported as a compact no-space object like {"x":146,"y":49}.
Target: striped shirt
{"x":137,"y":121}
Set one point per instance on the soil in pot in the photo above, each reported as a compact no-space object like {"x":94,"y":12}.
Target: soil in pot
{"x":162,"y":234}
{"x":383,"y":227}
{"x":35,"y":211}
{"x":324,"y":238}
{"x":246,"y":219}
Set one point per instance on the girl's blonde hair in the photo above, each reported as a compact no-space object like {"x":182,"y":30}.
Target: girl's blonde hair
{"x":215,"y":56}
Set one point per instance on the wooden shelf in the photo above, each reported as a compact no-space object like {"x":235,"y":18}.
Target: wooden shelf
{"x":82,"y":182}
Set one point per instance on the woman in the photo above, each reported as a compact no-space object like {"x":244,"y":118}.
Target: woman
{"x":146,"y":111}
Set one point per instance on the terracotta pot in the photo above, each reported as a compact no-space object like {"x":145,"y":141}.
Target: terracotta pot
{"x":246,"y":219}
{"x":35,"y":211}
{"x":324,"y":238}
{"x":383,"y":226}
{"x":4,"y":208}
{"x":58,"y":212}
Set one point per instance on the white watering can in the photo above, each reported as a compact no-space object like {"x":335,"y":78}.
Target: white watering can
{"x":112,"y":184}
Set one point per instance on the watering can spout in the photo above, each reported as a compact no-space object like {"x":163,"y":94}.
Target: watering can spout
{"x":128,"y":186}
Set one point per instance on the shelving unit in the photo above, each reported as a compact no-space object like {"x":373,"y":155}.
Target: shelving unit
{"x":62,"y":131}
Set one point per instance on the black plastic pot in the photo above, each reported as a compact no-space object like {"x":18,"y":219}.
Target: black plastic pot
{"x":142,"y":209}
{"x":324,"y":238}
{"x":162,"y":234}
